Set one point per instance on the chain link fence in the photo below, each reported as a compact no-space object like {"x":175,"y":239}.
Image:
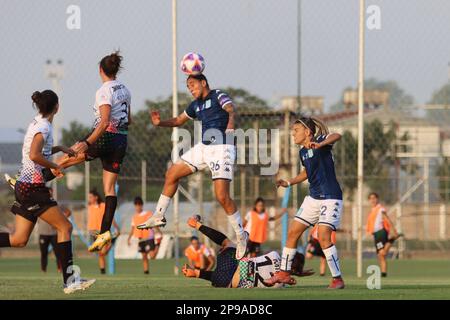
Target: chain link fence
{"x":276,"y":59}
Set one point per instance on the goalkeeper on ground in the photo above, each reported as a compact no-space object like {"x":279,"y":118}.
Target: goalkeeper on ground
{"x":245,"y":273}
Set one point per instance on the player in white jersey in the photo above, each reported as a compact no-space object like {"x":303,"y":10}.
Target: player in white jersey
{"x":245,"y":273}
{"x":107,"y":141}
{"x":33,"y":198}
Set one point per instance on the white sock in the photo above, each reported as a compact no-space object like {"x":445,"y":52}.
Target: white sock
{"x":163,"y":204}
{"x":286,"y":258}
{"x":333,"y":261}
{"x":236,"y":222}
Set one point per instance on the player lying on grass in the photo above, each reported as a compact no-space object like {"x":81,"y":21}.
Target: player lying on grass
{"x":33,"y":198}
{"x":245,"y":273}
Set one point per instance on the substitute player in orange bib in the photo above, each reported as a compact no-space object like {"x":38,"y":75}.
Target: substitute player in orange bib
{"x":381,"y":227}
{"x":256,"y":224}
{"x":146,"y":246}
{"x":199,"y":255}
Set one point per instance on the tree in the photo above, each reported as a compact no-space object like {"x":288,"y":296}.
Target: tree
{"x":440,"y":97}
{"x":443,"y":174}
{"x":379,"y":158}
{"x":441,"y":116}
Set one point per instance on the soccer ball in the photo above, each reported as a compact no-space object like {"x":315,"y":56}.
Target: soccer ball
{"x":192,"y":63}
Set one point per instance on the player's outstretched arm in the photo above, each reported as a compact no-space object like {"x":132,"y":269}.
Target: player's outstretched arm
{"x":155,"y":117}
{"x":230,"y":109}
{"x":298,"y":179}
{"x":331,"y":138}
{"x":63,"y":149}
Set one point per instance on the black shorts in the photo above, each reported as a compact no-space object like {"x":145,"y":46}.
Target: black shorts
{"x":226,"y":267}
{"x":32,"y":200}
{"x":314,"y":248}
{"x":111,"y":149}
{"x":146,"y":246}
{"x":254,"y":247}
{"x":381,"y":238}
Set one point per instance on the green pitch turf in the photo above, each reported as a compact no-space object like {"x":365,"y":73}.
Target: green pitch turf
{"x":408,"y":279}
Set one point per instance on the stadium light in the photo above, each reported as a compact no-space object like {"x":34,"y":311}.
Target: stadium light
{"x":360,"y":136}
{"x":55,"y":72}
{"x":175,"y":129}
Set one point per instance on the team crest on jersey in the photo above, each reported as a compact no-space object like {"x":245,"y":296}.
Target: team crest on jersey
{"x":308,"y":155}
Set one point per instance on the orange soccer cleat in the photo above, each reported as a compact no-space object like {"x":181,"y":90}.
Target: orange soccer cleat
{"x":337,"y":283}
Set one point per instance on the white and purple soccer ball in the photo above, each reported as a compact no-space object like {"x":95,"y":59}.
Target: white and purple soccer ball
{"x":192,"y":63}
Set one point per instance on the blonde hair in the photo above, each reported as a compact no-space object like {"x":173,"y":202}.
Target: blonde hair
{"x":316,"y":126}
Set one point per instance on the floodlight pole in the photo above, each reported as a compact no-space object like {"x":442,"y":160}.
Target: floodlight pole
{"x":55,"y":73}
{"x":360,"y":135}
{"x":175,"y":130}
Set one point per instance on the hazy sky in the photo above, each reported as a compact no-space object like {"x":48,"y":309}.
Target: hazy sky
{"x":246,"y":43}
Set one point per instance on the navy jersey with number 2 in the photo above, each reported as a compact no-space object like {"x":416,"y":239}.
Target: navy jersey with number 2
{"x":210,"y":111}
{"x":319,"y":166}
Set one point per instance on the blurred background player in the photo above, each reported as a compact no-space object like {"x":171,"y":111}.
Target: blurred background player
{"x":256,"y":224}
{"x":107,"y":140}
{"x":47,"y":237}
{"x":324,"y":204}
{"x":33,"y":198}
{"x":313,"y":248}
{"x":382,"y":229}
{"x":245,"y":273}
{"x":96,"y":210}
{"x":217,"y":151}
{"x":199,"y":256}
{"x":146,"y":246}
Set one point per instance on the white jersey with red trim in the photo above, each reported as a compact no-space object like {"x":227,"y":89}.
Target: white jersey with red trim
{"x":115,"y":94}
{"x":253,"y":272}
{"x":30,"y":171}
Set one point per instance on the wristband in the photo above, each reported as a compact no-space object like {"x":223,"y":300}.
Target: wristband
{"x":87,"y":143}
{"x":289,"y":184}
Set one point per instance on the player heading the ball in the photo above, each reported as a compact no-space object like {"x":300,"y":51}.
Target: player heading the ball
{"x":216,"y":151}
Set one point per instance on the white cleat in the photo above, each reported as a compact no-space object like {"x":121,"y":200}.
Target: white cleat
{"x":82,"y":284}
{"x":153,"y":222}
{"x":241,"y":248}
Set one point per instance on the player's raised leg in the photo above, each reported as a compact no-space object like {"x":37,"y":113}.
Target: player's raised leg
{"x":222,"y":192}
{"x":104,"y":237}
{"x":173,"y":176}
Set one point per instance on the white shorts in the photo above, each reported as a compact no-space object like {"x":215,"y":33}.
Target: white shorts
{"x":218,"y":157}
{"x":326,"y":212}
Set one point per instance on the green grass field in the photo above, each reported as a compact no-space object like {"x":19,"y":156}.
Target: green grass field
{"x":408,"y":279}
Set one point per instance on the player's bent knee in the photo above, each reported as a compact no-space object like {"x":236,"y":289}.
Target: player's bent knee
{"x":18,"y":241}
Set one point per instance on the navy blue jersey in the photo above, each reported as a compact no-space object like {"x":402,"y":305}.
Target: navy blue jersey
{"x":319,"y":166}
{"x":212,"y":115}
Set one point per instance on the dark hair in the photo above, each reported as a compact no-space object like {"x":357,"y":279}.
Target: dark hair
{"x":316,"y":126}
{"x":373,"y":194}
{"x":194,"y":238}
{"x":111,"y":64}
{"x":95,"y":193}
{"x":199,"y":77}
{"x":45,"y":101}
{"x":259,"y":199}
{"x":139,"y":201}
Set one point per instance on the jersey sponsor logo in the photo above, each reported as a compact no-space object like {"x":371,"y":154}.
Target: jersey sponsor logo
{"x":308,"y":155}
